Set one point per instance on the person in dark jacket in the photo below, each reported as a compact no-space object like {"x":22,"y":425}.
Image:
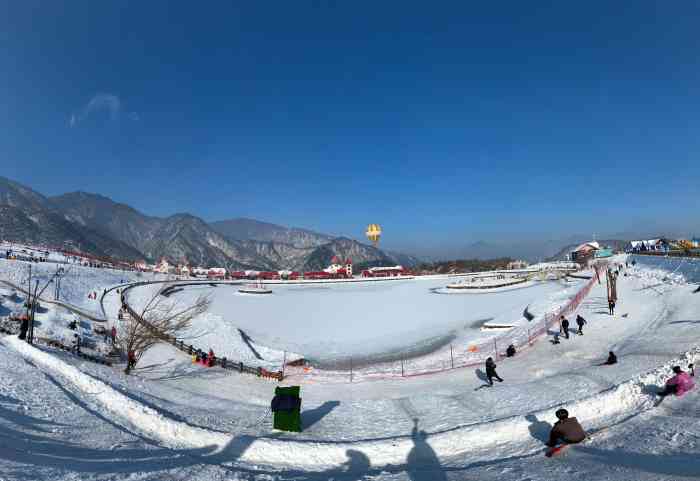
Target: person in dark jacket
{"x":567,"y":430}
{"x":76,"y":343}
{"x":24,"y":327}
{"x":510,"y":351}
{"x":612,"y":359}
{"x":580,"y":321}
{"x":565,"y":326}
{"x":611,"y":306}
{"x":491,"y":372}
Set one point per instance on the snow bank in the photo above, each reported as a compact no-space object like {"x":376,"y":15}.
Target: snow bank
{"x":482,"y":441}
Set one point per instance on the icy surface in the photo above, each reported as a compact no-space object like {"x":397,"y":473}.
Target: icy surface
{"x":326,"y":322}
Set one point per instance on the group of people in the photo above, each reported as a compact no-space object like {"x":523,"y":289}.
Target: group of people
{"x":564,"y":328}
{"x":569,"y":431}
{"x":208,"y":359}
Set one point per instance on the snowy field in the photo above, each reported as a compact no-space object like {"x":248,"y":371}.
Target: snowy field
{"x":331,"y":323}
{"x":76,"y":282}
{"x":65,"y":419}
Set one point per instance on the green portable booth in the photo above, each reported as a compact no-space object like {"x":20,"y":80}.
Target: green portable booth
{"x":286,"y":409}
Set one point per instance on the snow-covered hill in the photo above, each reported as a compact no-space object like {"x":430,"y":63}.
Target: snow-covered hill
{"x":64,"y":419}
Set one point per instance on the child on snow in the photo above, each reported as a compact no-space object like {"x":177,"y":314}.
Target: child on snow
{"x":491,"y":371}
{"x":566,"y":430}
{"x":612,"y":359}
{"x":564,"y":326}
{"x":679,"y":384}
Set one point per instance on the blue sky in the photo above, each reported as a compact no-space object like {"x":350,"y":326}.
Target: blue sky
{"x":446,"y":122}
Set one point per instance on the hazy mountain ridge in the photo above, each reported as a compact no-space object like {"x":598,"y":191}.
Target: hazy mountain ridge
{"x":249,"y":229}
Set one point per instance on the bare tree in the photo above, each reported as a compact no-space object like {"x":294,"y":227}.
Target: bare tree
{"x":162,"y":319}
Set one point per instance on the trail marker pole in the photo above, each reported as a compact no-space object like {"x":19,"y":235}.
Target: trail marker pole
{"x":350,"y":368}
{"x":452,"y":357}
{"x":402,"y":375}
{"x":284,"y":363}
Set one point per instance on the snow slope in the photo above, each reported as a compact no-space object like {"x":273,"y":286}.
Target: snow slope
{"x":367,"y":430}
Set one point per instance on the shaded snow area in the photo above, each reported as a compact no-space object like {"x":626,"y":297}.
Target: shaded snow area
{"x":65,"y":419}
{"x":58,"y":321}
{"x":329,"y":324}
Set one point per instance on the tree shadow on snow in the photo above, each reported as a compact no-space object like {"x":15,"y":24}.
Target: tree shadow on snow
{"x":312,"y":416}
{"x":538,"y":429}
{"x":666,"y":464}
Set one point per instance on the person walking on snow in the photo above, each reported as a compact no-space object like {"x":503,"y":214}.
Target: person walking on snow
{"x":679,"y":384}
{"x":611,"y":306}
{"x":580,"y":321}
{"x":491,"y":371}
{"x":565,"y":326}
{"x":567,"y":430}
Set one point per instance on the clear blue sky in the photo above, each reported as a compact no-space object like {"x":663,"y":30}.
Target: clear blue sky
{"x":446,"y":122}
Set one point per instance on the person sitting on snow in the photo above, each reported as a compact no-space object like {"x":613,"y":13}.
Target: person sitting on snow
{"x":679,"y":384}
{"x":567,"y":430}
{"x":612,"y":359}
{"x":510,"y":351}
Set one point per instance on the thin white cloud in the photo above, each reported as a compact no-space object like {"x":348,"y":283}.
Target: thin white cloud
{"x":106,"y":103}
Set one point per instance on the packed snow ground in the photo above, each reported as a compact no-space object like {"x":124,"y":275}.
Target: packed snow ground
{"x":63,"y":418}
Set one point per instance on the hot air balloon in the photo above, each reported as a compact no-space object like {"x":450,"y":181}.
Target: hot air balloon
{"x":374,"y":232}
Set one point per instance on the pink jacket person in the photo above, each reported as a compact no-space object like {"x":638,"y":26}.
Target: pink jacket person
{"x":683,"y":381}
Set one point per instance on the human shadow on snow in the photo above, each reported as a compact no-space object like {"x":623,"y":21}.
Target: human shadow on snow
{"x":538,"y":429}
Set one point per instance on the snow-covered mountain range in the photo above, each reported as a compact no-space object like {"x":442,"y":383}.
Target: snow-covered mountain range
{"x":100,"y":226}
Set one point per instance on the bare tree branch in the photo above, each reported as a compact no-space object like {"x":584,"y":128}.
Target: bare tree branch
{"x":161,"y":319}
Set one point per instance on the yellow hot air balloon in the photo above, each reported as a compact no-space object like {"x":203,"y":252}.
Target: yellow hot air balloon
{"x":374,"y":232}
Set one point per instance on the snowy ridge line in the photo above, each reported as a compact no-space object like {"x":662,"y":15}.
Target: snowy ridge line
{"x":70,"y":307}
{"x":189,"y":349}
{"x":489,"y":441}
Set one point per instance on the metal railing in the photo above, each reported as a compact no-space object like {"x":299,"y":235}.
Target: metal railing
{"x":191,"y":350}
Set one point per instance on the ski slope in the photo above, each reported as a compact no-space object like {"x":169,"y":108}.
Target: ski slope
{"x":66,"y":419}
